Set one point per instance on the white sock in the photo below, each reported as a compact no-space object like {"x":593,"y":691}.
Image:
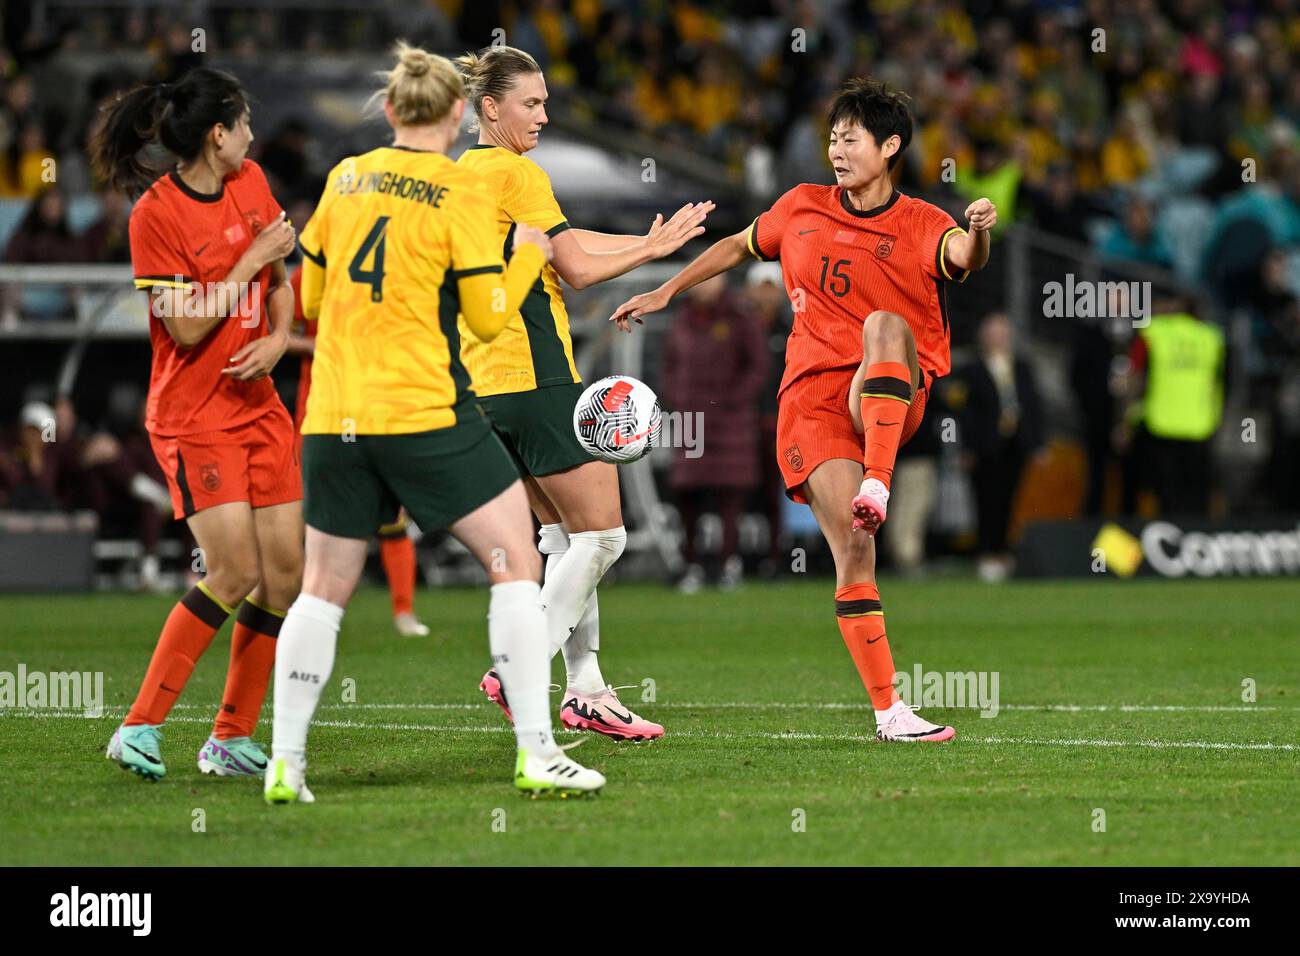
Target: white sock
{"x":304,"y":658}
{"x":517,"y":637}
{"x":572,"y":579}
{"x":580,"y":662}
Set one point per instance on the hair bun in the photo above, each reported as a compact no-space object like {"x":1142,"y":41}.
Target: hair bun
{"x":416,"y":64}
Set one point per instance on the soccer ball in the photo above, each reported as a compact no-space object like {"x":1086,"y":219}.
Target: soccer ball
{"x":617,"y":419}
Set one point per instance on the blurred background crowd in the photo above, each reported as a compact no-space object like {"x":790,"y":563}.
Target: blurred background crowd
{"x":1143,"y":141}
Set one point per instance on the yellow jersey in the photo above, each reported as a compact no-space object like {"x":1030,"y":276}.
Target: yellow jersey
{"x":395,"y":231}
{"x":535,"y":349}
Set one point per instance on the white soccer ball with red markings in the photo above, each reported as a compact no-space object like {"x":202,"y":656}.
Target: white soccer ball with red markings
{"x":617,"y":419}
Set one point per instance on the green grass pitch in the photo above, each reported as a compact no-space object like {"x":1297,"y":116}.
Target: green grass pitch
{"x":765,"y":718}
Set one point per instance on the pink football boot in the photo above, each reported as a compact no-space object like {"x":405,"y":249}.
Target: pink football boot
{"x":606,"y":714}
{"x":496,"y":692}
{"x":869,"y":506}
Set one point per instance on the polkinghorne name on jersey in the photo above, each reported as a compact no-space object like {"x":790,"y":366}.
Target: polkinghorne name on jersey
{"x":393,"y":184}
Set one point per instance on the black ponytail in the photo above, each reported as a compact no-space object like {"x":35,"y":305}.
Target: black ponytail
{"x":177,"y":116}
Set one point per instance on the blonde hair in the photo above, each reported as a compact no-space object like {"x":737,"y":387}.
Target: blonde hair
{"x":491,"y":72}
{"x":422,"y":86}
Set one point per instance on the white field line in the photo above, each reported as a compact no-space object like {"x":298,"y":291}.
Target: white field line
{"x":812,"y":705}
{"x":757,"y":735}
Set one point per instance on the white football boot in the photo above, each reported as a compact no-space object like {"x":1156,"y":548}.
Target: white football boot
{"x":286,"y":781}
{"x":408,"y":625}
{"x":557,"y":774}
{"x":902,"y":724}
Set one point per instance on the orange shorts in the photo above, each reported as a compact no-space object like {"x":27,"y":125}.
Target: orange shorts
{"x":257,"y":462}
{"x":813,"y":425}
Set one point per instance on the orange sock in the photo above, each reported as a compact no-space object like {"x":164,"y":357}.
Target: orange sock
{"x":886,"y":397}
{"x":398,"y":556}
{"x":252,"y":655}
{"x":862,"y":625}
{"x":186,"y":635}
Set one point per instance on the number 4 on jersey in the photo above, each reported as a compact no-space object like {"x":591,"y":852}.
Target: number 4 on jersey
{"x":374,"y":276}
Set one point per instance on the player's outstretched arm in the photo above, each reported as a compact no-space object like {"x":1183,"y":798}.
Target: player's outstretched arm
{"x":971,"y":249}
{"x":718,"y":258}
{"x":580,"y":266}
{"x":593,"y":241}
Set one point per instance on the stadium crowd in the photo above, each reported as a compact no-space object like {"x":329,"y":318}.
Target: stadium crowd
{"x":1164,"y":134}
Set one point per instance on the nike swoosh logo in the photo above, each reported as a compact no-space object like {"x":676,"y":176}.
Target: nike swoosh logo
{"x":621,"y":439}
{"x":626,"y":718}
{"x":806,"y":231}
{"x":870,"y":641}
{"x":149,"y":757}
{"x":199,"y":251}
{"x":259,"y":766}
{"x":887,"y":424}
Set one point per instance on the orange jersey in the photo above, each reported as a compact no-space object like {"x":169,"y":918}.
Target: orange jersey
{"x":179,"y":237}
{"x":840,"y":264}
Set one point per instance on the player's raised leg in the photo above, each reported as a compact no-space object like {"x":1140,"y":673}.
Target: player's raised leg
{"x":230,"y":750}
{"x":228,"y":544}
{"x":884,"y":383}
{"x":858,"y":610}
{"x":497,"y":534}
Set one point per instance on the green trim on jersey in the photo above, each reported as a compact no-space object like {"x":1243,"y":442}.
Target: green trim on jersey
{"x":550,"y":360}
{"x":448,"y":313}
